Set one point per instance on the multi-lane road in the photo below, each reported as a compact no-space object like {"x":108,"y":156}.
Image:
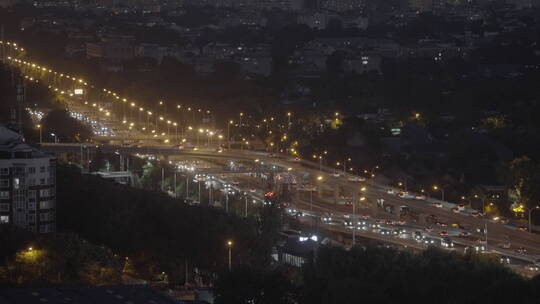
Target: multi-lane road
{"x":497,"y":232}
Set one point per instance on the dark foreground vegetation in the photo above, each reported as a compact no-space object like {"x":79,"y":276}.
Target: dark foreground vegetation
{"x":107,"y":230}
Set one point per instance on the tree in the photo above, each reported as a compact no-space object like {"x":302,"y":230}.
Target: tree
{"x":248,"y":285}
{"x":65,"y":127}
{"x":523,"y":177}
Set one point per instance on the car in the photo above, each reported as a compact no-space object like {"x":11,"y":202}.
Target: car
{"x":356,"y":179}
{"x":532,"y":268}
{"x":335,"y":174}
{"x":437,"y":204}
{"x":464,"y":234}
{"x":523,"y":228}
{"x":385,"y":232}
{"x":447,"y":243}
{"x":272,"y":155}
{"x":326,"y":219}
{"x":347,"y":224}
{"x":455,"y":210}
{"x":296,"y":159}
{"x":480,"y":248}
{"x":405,"y":195}
{"x":504,"y":260}
{"x":428,"y":228}
{"x":443,"y":233}
{"x":481,"y":241}
{"x":420,"y":197}
{"x":505,"y":245}
{"x":461,"y":207}
{"x":391,"y":191}
{"x":442,"y":224}
{"x":345,"y":202}
{"x":477,"y":214}
{"x":521,"y":250}
{"x":464,"y":227}
{"x":308,"y":187}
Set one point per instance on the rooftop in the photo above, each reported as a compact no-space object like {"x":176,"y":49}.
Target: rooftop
{"x":121,"y":294}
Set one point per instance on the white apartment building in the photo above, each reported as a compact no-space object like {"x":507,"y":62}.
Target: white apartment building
{"x":27,"y":185}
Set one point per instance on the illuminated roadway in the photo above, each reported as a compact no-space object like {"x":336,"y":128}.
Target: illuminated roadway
{"x":497,"y":233}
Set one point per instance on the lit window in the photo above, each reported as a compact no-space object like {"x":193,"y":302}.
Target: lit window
{"x":4,"y":219}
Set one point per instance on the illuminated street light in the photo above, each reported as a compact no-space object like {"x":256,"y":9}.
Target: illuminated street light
{"x":229,"y":246}
{"x":435,"y":187}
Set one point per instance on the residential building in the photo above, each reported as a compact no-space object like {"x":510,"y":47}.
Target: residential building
{"x":27,"y":185}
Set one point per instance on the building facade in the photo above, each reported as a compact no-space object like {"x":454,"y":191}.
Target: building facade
{"x":27,"y":185}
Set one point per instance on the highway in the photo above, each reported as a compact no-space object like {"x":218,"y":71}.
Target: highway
{"x":63,"y":84}
{"x":497,"y":233}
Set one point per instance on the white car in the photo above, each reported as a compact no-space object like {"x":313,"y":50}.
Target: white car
{"x":437,"y":204}
{"x":356,"y":179}
{"x":405,"y":195}
{"x":335,"y":174}
{"x":532,"y":268}
{"x":391,"y":191}
{"x":420,"y":197}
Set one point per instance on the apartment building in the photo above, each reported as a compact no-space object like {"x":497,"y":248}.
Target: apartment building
{"x":27,"y":185}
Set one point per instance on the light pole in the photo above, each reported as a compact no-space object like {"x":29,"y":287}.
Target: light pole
{"x":345,"y":164}
{"x":530,"y":212}
{"x":355,"y":195}
{"x":435,"y":187}
{"x":319,"y":181}
{"x":289,"y":119}
{"x":226,"y":201}
{"x":200,"y":131}
{"x":176,"y":130}
{"x":246,"y":201}
{"x":229,"y":134}
{"x":199,"y":182}
{"x":40,"y":135}
{"x":187,"y":186}
{"x":229,"y":246}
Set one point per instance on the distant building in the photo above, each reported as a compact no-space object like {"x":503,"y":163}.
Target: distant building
{"x":427,"y":5}
{"x":362,"y":63}
{"x":111,"y":47}
{"x":120,"y":177}
{"x":343,"y":5}
{"x":27,"y":185}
